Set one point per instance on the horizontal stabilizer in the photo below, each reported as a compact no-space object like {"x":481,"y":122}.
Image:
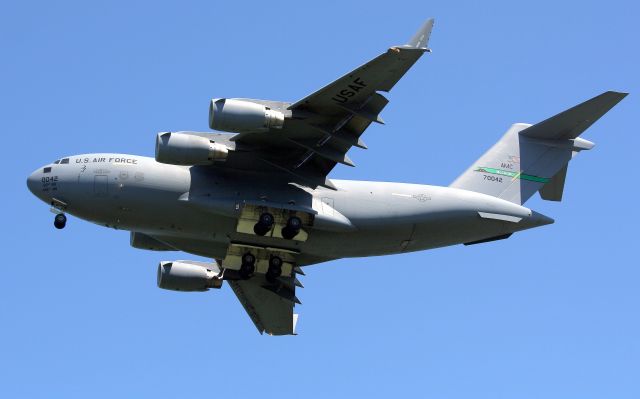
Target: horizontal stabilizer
{"x":572,"y":122}
{"x":534,"y":158}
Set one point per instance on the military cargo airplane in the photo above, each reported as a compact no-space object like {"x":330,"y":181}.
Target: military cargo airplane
{"x":258,"y":202}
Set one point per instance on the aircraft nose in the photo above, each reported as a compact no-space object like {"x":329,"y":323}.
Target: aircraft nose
{"x":32,"y":182}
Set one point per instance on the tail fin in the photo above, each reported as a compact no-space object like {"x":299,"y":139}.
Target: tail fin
{"x":532,"y":158}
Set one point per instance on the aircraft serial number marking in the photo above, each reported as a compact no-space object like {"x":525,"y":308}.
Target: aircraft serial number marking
{"x":352,"y":89}
{"x":49,"y":183}
{"x":493,"y":178}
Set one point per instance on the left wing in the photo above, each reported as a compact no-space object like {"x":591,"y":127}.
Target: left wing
{"x":320,"y":129}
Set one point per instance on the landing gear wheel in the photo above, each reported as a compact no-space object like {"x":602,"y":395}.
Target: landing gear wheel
{"x":247,"y":270}
{"x":294,"y":224}
{"x":275,"y":269}
{"x":60,"y":221}
{"x":248,"y":258}
{"x":248,"y":266}
{"x":265,"y":223}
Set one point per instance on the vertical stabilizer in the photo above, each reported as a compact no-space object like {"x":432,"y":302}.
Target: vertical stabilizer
{"x":531,"y":158}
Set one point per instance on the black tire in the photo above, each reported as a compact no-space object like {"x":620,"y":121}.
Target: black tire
{"x":270,"y":278}
{"x":264,"y":225}
{"x":275,"y":262}
{"x":288,"y":234}
{"x":247,"y":270}
{"x":275,"y":269}
{"x":248,"y":258}
{"x":60,"y":221}
{"x":294,"y":223}
{"x":266,"y":219}
{"x":260,"y":229}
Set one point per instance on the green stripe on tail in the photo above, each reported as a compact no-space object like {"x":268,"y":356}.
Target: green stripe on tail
{"x":514,"y":175}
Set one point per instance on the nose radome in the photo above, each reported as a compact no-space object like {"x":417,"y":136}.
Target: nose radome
{"x":32,"y":182}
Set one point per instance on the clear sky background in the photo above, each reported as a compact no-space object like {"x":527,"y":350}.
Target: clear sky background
{"x":549,"y":313}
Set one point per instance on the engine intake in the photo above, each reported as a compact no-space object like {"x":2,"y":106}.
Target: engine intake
{"x":240,"y":116}
{"x":184,"y":275}
{"x":188,"y":149}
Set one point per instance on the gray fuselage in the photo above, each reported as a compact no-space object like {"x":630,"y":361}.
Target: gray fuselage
{"x":191,"y":208}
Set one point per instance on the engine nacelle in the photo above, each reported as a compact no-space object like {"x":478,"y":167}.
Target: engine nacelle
{"x":239,"y":116}
{"x":184,"y":275}
{"x":188,"y":149}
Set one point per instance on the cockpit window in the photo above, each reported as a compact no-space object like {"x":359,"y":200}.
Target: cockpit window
{"x":57,"y":161}
{"x":64,"y":160}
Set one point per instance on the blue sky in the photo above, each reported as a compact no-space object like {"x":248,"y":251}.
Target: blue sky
{"x":552,"y":312}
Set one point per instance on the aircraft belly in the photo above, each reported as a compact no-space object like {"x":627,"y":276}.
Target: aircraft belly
{"x":396,"y":217}
{"x":445,"y":232}
{"x":367,"y":242}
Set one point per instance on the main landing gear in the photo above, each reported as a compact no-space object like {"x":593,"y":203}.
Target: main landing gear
{"x":60,"y":221}
{"x":264,"y":225}
{"x":248,"y":266}
{"x":266,"y":221}
{"x":294,"y":224}
{"x":275,"y":269}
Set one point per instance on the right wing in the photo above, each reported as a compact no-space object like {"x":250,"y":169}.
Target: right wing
{"x":320,"y":128}
{"x":355,"y":89}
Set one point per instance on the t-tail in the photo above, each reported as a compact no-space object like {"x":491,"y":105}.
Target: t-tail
{"x":531,"y":158}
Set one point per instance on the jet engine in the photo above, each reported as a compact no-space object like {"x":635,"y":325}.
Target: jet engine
{"x":188,"y":149}
{"x":184,"y":275}
{"x":240,"y":116}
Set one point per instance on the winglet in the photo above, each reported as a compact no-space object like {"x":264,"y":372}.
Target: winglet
{"x":421,"y":38}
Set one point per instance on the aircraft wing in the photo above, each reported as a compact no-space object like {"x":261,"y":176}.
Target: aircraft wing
{"x":270,"y":309}
{"x":322,"y":127}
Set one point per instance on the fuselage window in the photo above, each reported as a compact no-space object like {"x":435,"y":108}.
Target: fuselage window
{"x":47,"y":169}
{"x":64,"y":160}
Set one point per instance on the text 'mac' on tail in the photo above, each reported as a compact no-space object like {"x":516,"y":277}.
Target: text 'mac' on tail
{"x":530,"y":158}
